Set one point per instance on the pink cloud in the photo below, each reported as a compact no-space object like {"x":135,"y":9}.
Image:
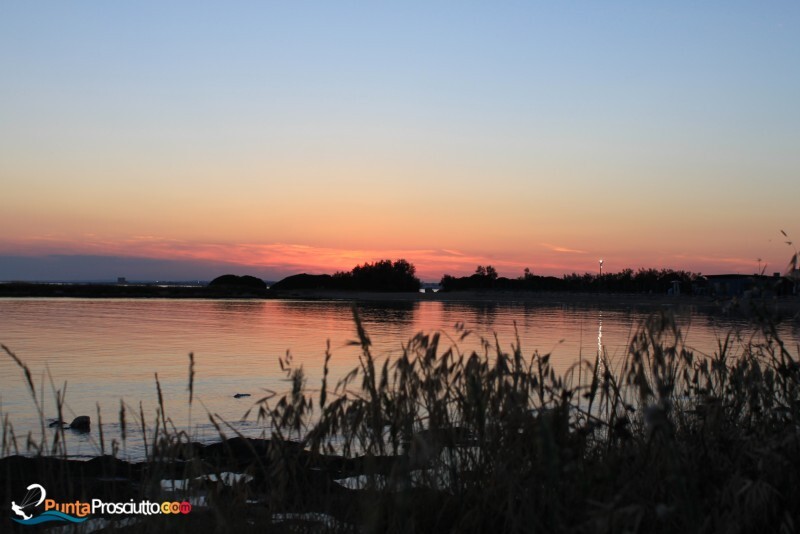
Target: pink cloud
{"x":566,"y":250}
{"x":431,"y":263}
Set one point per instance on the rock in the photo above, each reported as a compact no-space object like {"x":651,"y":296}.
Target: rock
{"x":82,"y":423}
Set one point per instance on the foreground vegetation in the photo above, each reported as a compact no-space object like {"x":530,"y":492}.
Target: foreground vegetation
{"x":439,"y":440}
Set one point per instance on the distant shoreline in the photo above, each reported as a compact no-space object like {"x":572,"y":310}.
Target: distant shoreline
{"x":781,"y":305}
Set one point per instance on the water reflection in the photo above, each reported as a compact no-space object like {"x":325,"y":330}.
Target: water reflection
{"x":600,"y":335}
{"x":388,"y":327}
{"x":481,"y":313}
{"x":401,"y":313}
{"x":306,"y":310}
{"x":383,"y":321}
{"x":602,"y":364}
{"x":108,"y":349}
{"x":233,"y":306}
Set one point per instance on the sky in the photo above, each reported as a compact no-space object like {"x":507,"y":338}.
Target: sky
{"x":182,"y":140}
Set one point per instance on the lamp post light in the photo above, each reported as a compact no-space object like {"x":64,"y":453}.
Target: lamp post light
{"x":601,"y":267}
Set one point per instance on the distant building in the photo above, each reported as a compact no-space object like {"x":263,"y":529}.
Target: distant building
{"x":675,"y":290}
{"x":122,"y":280}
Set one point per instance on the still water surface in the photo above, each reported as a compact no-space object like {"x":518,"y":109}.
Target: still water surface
{"x":104,"y":351}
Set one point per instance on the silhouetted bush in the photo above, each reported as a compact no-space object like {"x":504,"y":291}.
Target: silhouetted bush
{"x":233,"y":281}
{"x":304,"y":281}
{"x":625,"y":281}
{"x":383,"y":275}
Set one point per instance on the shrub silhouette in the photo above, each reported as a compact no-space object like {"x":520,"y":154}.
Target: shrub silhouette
{"x":383,"y":275}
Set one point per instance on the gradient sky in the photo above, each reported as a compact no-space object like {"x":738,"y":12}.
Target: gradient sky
{"x":275,"y":138}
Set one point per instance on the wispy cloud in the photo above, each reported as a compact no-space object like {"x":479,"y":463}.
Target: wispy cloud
{"x":278,"y":259}
{"x":565,"y":250}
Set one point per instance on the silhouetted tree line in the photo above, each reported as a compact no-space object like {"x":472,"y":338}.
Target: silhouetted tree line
{"x":625,"y":281}
{"x":383,"y":275}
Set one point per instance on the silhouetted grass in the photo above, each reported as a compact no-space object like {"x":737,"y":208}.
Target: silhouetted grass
{"x":440,"y":440}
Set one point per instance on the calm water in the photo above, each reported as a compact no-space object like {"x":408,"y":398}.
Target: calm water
{"x":102,"y":351}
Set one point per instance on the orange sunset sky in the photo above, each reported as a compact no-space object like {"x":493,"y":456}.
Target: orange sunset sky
{"x":185,"y":140}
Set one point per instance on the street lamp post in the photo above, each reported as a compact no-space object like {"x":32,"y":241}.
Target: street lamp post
{"x":601,"y":267}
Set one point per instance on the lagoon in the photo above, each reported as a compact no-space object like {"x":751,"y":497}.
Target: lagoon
{"x":102,"y":352}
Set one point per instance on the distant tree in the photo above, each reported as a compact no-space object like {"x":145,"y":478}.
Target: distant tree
{"x":483,"y":278}
{"x":404,"y":269}
{"x":449,"y":283}
{"x":383,"y":275}
{"x":625,"y":281}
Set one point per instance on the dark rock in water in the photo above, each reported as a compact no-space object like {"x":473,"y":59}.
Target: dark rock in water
{"x":81,"y":423}
{"x":240,"y":395}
